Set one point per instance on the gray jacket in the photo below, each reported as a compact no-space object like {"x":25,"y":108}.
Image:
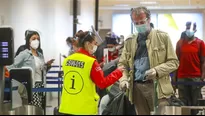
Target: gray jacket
{"x":26,"y":59}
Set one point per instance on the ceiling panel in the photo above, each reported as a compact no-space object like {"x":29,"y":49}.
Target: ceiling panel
{"x":181,"y":2}
{"x":163,"y":3}
{"x":197,"y":2}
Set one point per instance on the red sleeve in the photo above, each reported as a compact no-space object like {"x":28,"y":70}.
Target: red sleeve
{"x":98,"y":78}
{"x":202,"y":48}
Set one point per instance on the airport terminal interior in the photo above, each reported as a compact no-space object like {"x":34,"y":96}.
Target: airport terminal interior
{"x":102,"y":57}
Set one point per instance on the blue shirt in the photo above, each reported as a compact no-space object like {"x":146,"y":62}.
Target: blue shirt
{"x":141,"y":63}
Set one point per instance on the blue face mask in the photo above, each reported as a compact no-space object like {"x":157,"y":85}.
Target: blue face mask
{"x":141,"y":28}
{"x":189,"y":33}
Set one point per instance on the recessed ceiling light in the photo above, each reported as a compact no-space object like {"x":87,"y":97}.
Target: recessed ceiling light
{"x":148,"y":2}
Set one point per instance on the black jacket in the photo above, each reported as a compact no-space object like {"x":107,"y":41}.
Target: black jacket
{"x":119,"y":105}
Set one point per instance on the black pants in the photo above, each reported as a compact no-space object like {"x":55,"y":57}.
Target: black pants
{"x":190,"y":94}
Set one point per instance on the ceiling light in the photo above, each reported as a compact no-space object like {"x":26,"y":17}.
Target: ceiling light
{"x":121,"y":5}
{"x":148,"y":2}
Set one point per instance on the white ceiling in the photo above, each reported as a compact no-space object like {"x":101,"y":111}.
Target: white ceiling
{"x":152,"y":4}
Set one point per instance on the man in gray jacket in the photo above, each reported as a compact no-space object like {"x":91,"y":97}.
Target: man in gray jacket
{"x":149,"y":58}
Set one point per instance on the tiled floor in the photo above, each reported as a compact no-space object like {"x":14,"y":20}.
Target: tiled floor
{"x":52,"y":101}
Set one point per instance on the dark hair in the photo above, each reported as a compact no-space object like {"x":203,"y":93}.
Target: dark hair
{"x":70,"y":40}
{"x":77,"y":34}
{"x":138,"y":10}
{"x":84,"y":37}
{"x":26,"y":32}
{"x":28,"y":36}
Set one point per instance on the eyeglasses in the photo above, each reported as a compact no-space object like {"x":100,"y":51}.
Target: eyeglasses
{"x":141,"y":22}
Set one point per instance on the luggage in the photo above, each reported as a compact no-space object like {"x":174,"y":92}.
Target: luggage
{"x":114,"y":90}
{"x":119,"y":105}
{"x":174,"y":101}
{"x":107,"y":69}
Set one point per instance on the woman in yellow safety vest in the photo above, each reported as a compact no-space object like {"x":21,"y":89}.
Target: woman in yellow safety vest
{"x":81,"y":75}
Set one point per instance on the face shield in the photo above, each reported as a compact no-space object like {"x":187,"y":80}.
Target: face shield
{"x":98,"y":38}
{"x":190,"y":29}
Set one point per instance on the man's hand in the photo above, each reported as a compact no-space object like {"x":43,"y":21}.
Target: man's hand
{"x":124,"y":85}
{"x":150,"y":74}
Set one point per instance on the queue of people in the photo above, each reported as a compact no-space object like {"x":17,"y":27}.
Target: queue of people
{"x":143,"y":66}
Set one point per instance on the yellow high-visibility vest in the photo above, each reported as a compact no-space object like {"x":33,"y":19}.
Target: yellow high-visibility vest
{"x":79,"y":95}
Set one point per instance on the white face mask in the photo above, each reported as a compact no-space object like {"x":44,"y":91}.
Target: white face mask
{"x":111,"y":49}
{"x":94,"y":49}
{"x":34,"y":44}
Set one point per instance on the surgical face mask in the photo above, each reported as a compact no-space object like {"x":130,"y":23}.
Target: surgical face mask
{"x":189,"y":33}
{"x":111,"y":49}
{"x":190,"y":29}
{"x":34,"y":44}
{"x":92,"y":51}
{"x":143,"y":28}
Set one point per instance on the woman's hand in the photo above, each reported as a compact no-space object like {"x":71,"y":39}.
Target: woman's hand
{"x":50,"y":62}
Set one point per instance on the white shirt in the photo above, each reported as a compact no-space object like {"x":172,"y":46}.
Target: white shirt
{"x":38,"y":70}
